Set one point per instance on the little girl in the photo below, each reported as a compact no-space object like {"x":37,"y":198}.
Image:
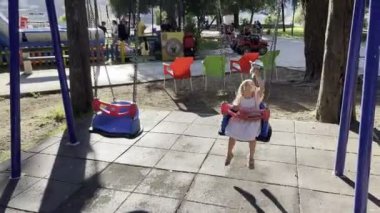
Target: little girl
{"x":247,"y":102}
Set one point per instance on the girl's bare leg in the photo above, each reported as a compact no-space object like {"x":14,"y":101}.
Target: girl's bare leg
{"x":252,"y":148}
{"x":231,"y":144}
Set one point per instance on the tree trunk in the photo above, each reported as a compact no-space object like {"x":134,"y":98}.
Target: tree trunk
{"x":236,"y":18}
{"x":252,"y":13}
{"x":315,"y":29}
{"x":335,"y":59}
{"x":294,"y":12}
{"x":283,"y":16}
{"x":80,"y":72}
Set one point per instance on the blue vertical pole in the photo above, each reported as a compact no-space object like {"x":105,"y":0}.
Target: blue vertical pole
{"x":349,"y":85}
{"x":368,"y":108}
{"x":14,"y":42}
{"x":61,"y":69}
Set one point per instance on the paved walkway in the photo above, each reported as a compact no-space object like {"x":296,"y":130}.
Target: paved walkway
{"x":47,"y":80}
{"x":177,"y":165}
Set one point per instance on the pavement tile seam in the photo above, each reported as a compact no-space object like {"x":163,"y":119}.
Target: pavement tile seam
{"x":195,"y":174}
{"x":210,"y":204}
{"x":263,"y":160}
{"x":122,"y":203}
{"x":253,"y":181}
{"x":329,"y":150}
{"x":160,"y":120}
{"x":74,"y":157}
{"x":326,"y":192}
{"x":16,"y":209}
{"x":37,"y":152}
{"x":198,"y":136}
{"x":139,"y":193}
{"x":345,"y":170}
{"x":297,"y":173}
{"x":26,"y":188}
{"x":193,"y":179}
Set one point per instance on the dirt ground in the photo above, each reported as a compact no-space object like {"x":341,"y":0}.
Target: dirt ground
{"x":42,"y":115}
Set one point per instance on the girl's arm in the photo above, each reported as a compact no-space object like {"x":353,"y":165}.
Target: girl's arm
{"x":260,"y":84}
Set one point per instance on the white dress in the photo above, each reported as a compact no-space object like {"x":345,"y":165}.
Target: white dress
{"x":244,"y":130}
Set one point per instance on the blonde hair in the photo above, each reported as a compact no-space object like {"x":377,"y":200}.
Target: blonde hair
{"x":244,"y":86}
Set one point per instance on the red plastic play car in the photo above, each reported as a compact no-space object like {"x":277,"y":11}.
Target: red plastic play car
{"x":250,"y":43}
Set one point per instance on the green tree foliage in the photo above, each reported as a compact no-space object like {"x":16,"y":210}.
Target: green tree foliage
{"x":124,"y":7}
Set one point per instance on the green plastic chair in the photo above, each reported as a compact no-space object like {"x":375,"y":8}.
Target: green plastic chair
{"x":214,"y":66}
{"x":267,"y":60}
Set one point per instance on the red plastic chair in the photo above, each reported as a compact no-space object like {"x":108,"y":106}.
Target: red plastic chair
{"x":179,"y":69}
{"x":244,"y":63}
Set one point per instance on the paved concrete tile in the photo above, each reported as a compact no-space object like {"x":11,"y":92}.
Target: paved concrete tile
{"x":283,"y":138}
{"x":122,"y":177}
{"x":44,"y":196}
{"x":265,"y":171}
{"x":9,"y":210}
{"x":182,"y":117}
{"x":149,"y":203}
{"x":243,"y":194}
{"x":150,"y":118}
{"x":190,"y":207}
{"x":5,"y":166}
{"x":90,"y":199}
{"x":166,"y":183}
{"x":107,"y":152}
{"x":62,"y":149}
{"x":40,"y":165}
{"x":171,"y":127}
{"x":181,"y":161}
{"x":10,"y":188}
{"x":75,"y":171}
{"x":148,"y":125}
{"x":322,"y":159}
{"x":220,"y":148}
{"x":322,"y":180}
{"x":82,"y":134}
{"x":153,"y":115}
{"x":212,"y":120}
{"x":282,"y":125}
{"x":44,"y":144}
{"x":316,"y":128}
{"x":141,"y":156}
{"x":316,"y":202}
{"x":121,"y":141}
{"x":193,"y":144}
{"x":330,"y":143}
{"x":200,"y":130}
{"x":326,"y":160}
{"x":283,"y":154}
{"x":157,"y":140}
{"x":264,"y":151}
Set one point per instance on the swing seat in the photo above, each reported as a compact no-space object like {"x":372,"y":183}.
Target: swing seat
{"x":226,"y":109}
{"x":116,"y":119}
{"x":266,"y":129}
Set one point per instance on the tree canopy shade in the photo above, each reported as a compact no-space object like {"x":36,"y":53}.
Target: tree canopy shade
{"x":124,"y":7}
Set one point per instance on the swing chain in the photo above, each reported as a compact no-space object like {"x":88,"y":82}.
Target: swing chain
{"x":93,"y":20}
{"x":135,"y":63}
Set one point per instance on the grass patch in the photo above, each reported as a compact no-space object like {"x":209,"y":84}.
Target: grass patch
{"x":208,"y":44}
{"x":57,"y":115}
{"x":298,"y":32}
